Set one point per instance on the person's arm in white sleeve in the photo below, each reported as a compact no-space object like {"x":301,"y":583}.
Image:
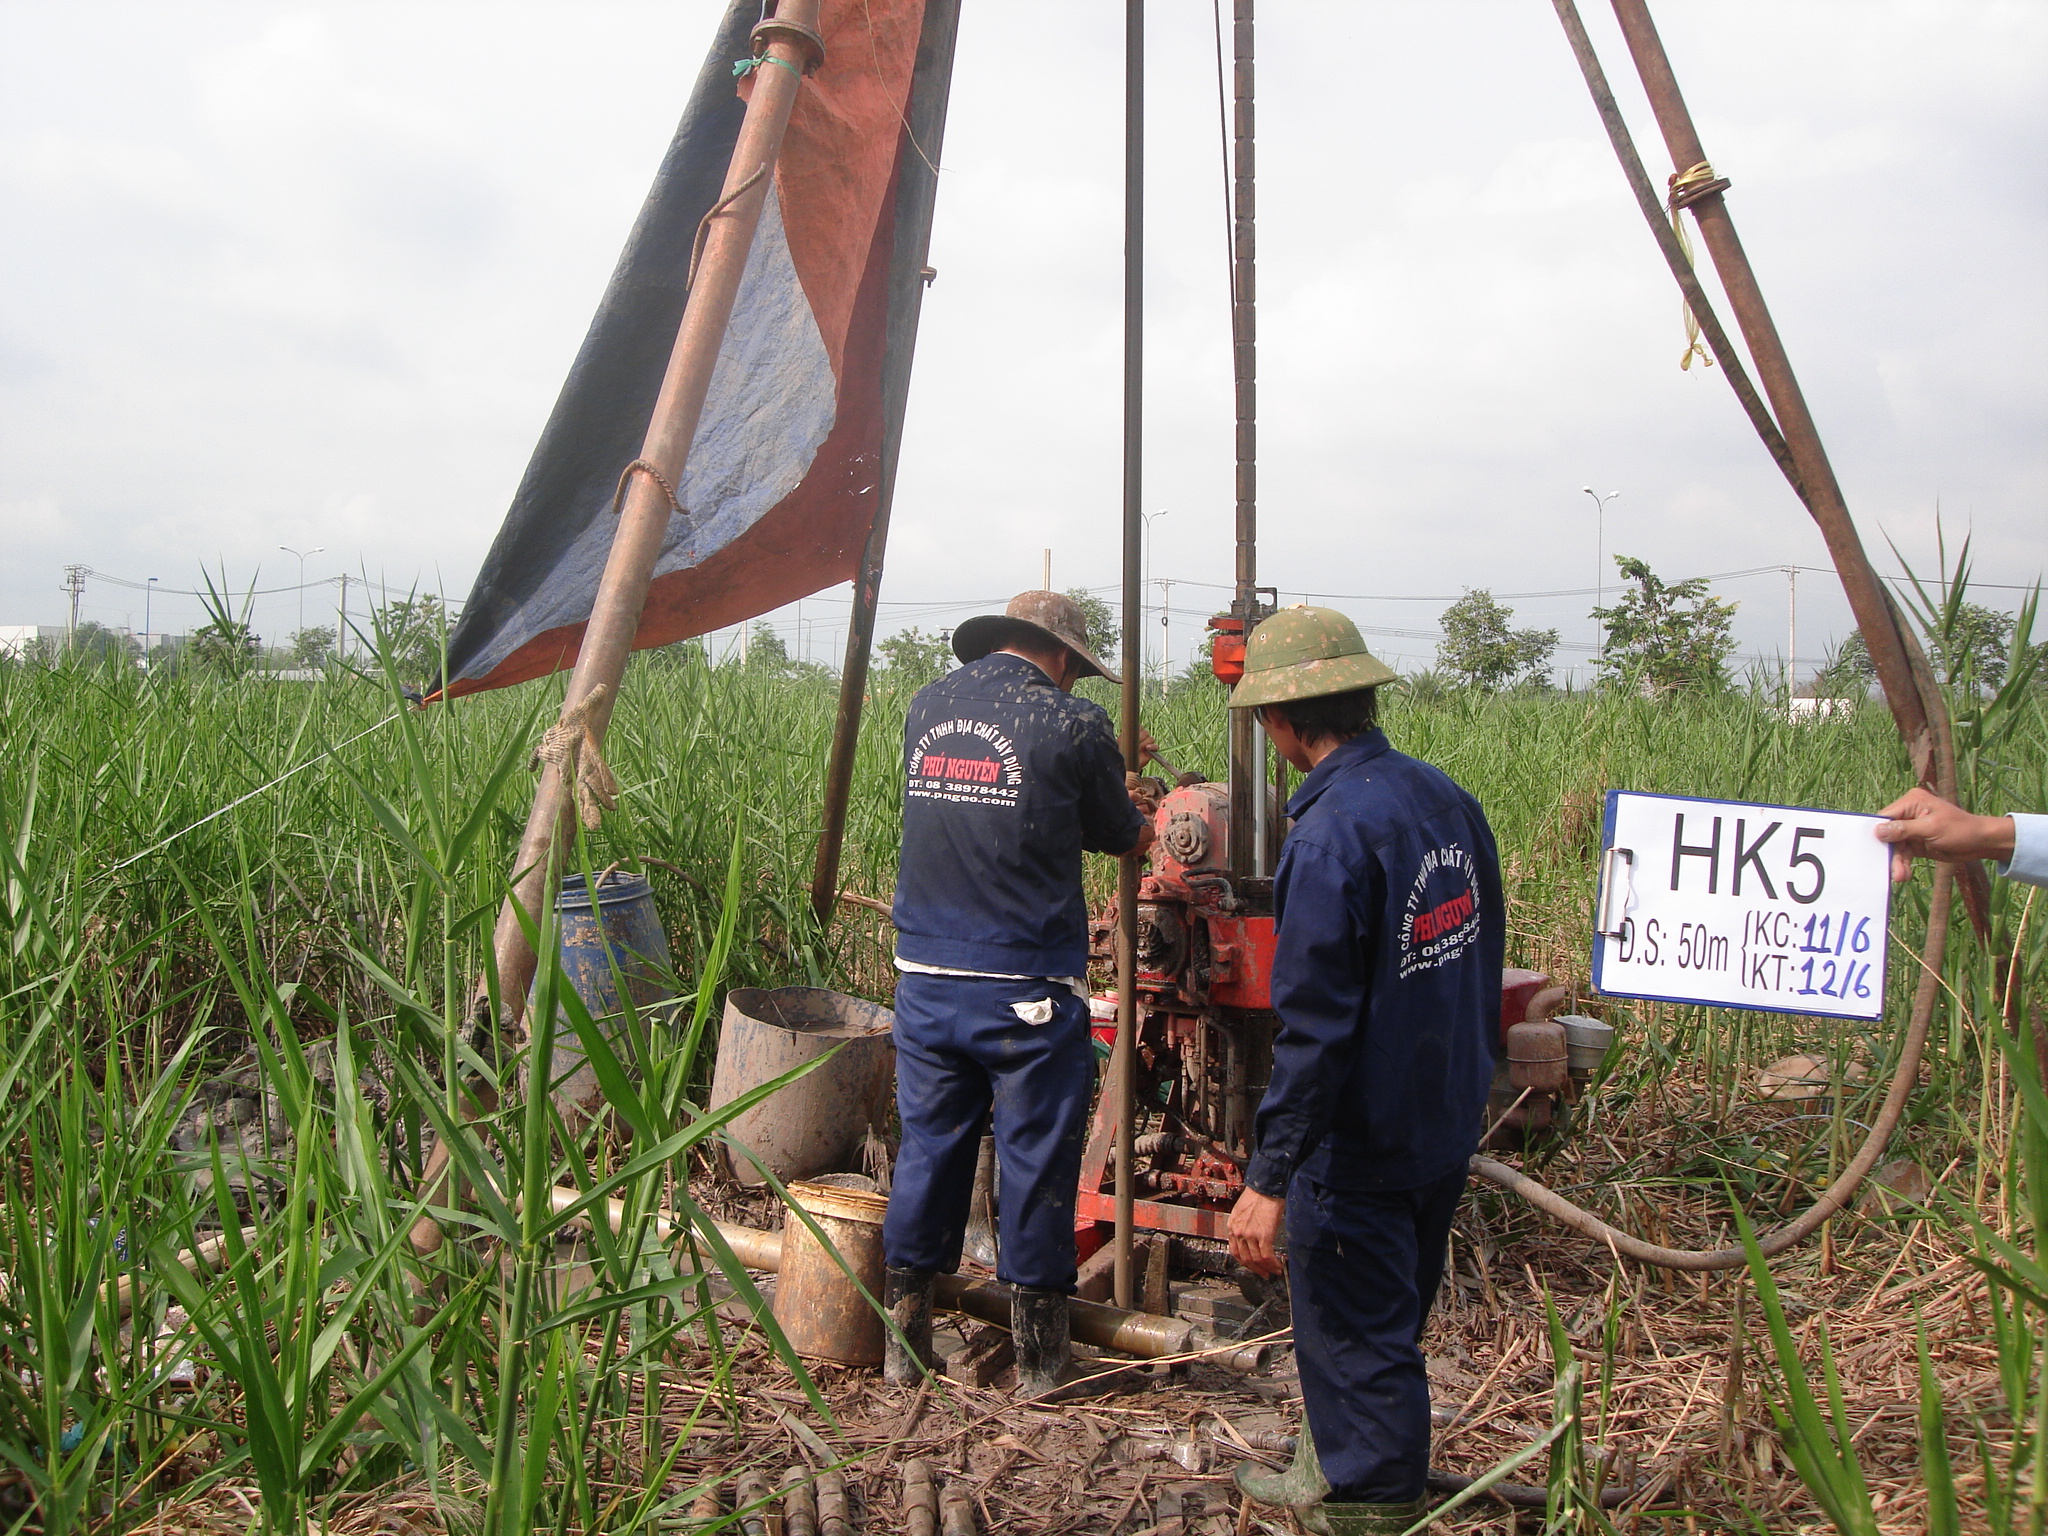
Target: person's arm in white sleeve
{"x":2029,"y":861}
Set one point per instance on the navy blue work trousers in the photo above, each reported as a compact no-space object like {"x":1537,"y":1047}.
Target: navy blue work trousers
{"x":1362,"y":1271}
{"x":962,"y":1050}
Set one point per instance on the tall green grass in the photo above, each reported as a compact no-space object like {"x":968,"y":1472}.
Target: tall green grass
{"x":332,"y":927}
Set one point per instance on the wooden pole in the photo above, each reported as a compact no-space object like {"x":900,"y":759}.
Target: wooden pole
{"x":917,"y":182}
{"x":1123,"y":1074}
{"x":1919,"y":712}
{"x":644,"y":520}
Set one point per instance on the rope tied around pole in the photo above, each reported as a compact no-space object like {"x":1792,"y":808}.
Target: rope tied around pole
{"x":571,"y":745}
{"x":626,"y":474}
{"x":1686,"y":188}
{"x":704,"y":224}
{"x":741,"y":68}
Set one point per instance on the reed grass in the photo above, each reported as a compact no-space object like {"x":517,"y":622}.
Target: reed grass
{"x":329,"y":929}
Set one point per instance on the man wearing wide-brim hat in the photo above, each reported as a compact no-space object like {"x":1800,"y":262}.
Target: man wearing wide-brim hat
{"x":1008,"y":779}
{"x":1386,"y":976}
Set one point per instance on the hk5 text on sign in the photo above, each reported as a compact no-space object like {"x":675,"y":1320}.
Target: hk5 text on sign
{"x":1742,"y":906}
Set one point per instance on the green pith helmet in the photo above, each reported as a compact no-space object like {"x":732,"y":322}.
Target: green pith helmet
{"x":1304,"y":653}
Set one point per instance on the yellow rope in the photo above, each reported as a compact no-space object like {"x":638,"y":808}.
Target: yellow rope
{"x":571,"y":746}
{"x":1687,"y":187}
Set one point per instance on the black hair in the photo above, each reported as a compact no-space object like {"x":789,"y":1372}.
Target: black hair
{"x":1332,"y":716}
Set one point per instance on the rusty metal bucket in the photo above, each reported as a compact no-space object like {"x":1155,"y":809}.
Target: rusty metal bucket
{"x":619,"y":928}
{"x":819,"y":1309}
{"x":818,"y":1123}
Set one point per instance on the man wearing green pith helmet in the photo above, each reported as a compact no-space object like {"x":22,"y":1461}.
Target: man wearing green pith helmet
{"x":1386,"y":977}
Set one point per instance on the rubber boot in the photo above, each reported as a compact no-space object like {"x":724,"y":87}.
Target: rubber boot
{"x":1300,"y":1487}
{"x":1039,"y":1329}
{"x":907,"y":1294}
{"x":1369,"y":1519}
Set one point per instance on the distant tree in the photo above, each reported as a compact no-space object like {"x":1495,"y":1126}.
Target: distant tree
{"x":92,"y":641}
{"x":1429,"y":685}
{"x":766,"y":652}
{"x":225,"y":645}
{"x":313,"y":647}
{"x":1972,"y":646}
{"x":912,"y":657}
{"x":1481,"y":651}
{"x":1105,"y":634}
{"x":410,"y":630}
{"x":1662,"y":638}
{"x":1848,"y":673}
{"x":683,"y":653}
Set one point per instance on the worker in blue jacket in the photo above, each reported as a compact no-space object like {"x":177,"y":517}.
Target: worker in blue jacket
{"x":1386,"y":977}
{"x":1008,"y":778}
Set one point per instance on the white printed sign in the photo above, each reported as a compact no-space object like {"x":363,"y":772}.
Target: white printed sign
{"x":1742,"y":906}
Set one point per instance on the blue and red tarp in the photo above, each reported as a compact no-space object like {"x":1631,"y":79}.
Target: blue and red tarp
{"x":788,"y":467}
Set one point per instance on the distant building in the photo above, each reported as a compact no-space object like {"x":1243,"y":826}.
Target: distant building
{"x":19,"y":641}
{"x":1819,"y":709}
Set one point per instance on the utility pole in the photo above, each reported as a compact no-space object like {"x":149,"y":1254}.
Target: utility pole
{"x":1792,"y":631}
{"x":1165,"y":629}
{"x":1046,"y":584}
{"x":148,"y":594}
{"x":341,"y":621}
{"x":74,"y":583}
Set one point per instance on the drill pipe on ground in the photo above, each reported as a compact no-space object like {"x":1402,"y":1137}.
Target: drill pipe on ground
{"x":1127,"y":1332}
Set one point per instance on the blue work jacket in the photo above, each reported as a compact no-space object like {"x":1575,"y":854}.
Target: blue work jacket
{"x":1007,"y":780}
{"x":1386,"y":977}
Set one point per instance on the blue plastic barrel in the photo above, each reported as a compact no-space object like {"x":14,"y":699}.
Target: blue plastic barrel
{"x":615,"y":937}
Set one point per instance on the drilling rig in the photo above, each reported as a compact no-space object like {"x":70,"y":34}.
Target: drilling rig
{"x":1205,"y":1026}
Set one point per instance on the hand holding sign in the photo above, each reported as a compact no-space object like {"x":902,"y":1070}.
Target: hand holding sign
{"x":1742,"y":906}
{"x":1925,"y":826}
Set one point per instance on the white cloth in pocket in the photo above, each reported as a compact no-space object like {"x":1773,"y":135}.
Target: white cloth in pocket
{"x":1039,"y":1012}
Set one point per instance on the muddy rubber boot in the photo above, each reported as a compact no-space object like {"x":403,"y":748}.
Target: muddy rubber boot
{"x":907,"y":1294}
{"x":1299,"y":1487}
{"x":1046,"y":1371}
{"x":1038,"y":1326}
{"x":1369,"y":1519}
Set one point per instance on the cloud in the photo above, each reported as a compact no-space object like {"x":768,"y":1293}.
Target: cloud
{"x":313,"y":275}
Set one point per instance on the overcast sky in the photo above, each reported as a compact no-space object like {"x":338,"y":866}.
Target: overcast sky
{"x":312,"y":275}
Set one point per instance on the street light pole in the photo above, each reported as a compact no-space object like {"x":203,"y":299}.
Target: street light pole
{"x":148,"y":595}
{"x":1600,"y":558}
{"x":320,"y":549}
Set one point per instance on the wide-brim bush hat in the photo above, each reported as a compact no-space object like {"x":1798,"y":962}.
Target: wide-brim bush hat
{"x":1036,"y":618}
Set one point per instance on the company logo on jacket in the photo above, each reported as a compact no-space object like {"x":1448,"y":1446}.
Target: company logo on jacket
{"x":1441,"y":918}
{"x":940,"y":769}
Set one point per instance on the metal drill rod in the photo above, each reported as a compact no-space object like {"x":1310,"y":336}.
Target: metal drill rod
{"x":1246,"y":778}
{"x":1124,"y":1062}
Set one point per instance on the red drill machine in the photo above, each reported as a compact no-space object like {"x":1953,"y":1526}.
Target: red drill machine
{"x":1205,"y":1023}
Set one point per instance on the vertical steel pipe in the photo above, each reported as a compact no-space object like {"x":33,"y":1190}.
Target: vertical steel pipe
{"x":644,"y":519}
{"x":1124,"y":1062}
{"x":1921,"y":716}
{"x":916,"y":188}
{"x":1247,"y":746}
